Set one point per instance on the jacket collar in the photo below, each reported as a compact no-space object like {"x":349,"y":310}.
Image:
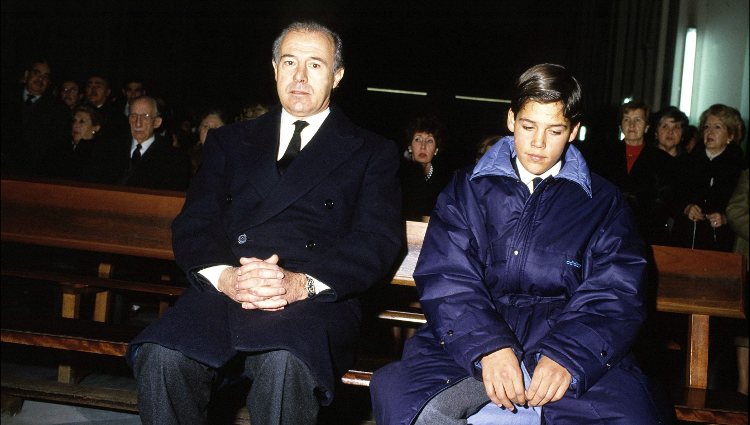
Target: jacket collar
{"x":333,"y":144}
{"x":498,"y":161}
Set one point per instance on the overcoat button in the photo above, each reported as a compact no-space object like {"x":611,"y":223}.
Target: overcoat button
{"x":310,"y":244}
{"x":242,"y":239}
{"x":515,"y":252}
{"x":328,"y":204}
{"x":603,"y":354}
{"x":229,"y":198}
{"x":442,"y":342}
{"x":450,"y":333}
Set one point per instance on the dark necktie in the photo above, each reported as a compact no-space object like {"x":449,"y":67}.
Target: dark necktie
{"x":29,"y":100}
{"x":136,"y":154}
{"x":535,"y":182}
{"x":293,"y":149}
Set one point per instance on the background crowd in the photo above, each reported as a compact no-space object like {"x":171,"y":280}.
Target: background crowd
{"x":679,"y":178}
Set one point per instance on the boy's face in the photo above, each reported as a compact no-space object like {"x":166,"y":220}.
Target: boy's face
{"x":541,"y":132}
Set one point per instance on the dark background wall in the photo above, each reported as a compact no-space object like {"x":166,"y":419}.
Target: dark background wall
{"x":195,"y":54}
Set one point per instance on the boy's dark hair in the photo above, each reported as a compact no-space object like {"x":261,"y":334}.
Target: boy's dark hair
{"x":549,"y":83}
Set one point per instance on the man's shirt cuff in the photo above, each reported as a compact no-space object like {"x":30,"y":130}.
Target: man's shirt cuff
{"x":213,"y":273}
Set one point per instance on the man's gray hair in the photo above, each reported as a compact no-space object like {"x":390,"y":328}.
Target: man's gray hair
{"x":158,"y":106}
{"x":309,"y":26}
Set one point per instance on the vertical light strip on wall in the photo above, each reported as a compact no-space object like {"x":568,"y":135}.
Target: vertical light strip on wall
{"x":688,"y":69}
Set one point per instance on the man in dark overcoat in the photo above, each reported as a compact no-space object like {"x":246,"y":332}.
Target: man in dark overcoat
{"x":290,"y":218}
{"x":34,"y":122}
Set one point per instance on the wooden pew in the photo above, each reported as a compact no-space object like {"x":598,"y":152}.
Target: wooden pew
{"x":136,"y":222}
{"x":92,"y":218}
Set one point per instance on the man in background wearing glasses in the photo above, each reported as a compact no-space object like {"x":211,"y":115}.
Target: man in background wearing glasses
{"x":145,"y":159}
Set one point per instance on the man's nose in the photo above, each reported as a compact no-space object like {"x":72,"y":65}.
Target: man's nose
{"x":300,"y":75}
{"x":538,"y":139}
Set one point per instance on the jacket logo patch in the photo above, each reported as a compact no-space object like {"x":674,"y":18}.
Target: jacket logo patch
{"x":242,"y":239}
{"x":575,"y":264}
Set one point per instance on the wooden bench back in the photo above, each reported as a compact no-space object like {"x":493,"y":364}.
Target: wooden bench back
{"x":689,"y":281}
{"x":700,"y":282}
{"x":88,"y":217}
{"x":137,"y":222}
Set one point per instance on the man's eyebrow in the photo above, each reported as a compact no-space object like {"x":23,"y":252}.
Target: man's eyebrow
{"x":315,"y":58}
{"x":563,"y":125}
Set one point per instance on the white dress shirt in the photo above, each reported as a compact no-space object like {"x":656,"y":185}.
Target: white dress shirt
{"x":528,"y":179}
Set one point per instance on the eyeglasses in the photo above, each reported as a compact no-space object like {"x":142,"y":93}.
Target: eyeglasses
{"x":134,"y":117}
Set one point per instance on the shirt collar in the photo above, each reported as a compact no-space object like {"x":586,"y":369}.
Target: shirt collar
{"x":26,"y":94}
{"x":526,"y":177}
{"x":144,"y":146}
{"x":287,"y":129}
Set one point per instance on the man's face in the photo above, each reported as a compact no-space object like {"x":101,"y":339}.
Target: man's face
{"x":304,"y":74}
{"x":133,"y":89}
{"x":541,"y":132}
{"x":70,"y":93}
{"x":97,"y":91}
{"x":36,"y":80}
{"x":143,"y":120}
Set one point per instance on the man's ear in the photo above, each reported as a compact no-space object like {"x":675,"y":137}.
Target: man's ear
{"x":273,"y":64}
{"x":511,"y":120}
{"x":574,"y":133}
{"x":157,"y":122}
{"x":337,"y":76}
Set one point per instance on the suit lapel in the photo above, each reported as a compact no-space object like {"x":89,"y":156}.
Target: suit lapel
{"x":258,"y":154}
{"x":332,"y":145}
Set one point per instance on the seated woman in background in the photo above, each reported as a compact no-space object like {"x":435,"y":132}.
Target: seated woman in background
{"x":213,"y":118}
{"x":422,"y":178}
{"x":656,"y":204}
{"x":74,"y":161}
{"x":711,"y":176}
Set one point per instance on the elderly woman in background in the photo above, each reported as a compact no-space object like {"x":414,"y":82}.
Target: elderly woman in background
{"x":711,"y":176}
{"x":213,"y":118}
{"x":74,"y":161}
{"x":422,"y":178}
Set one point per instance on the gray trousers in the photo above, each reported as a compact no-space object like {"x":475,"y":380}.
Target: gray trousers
{"x":467,"y":403}
{"x":173,"y":389}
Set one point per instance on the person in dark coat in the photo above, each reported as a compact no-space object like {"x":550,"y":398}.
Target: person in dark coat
{"x":74,"y":160}
{"x":422,"y":175}
{"x":653,"y":195}
{"x":711,"y":175}
{"x":290,"y":218}
{"x":531,"y":278}
{"x":34,"y":121}
{"x":144,"y":159}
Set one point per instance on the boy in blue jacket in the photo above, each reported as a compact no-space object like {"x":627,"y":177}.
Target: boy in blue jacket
{"x":531,"y":278}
